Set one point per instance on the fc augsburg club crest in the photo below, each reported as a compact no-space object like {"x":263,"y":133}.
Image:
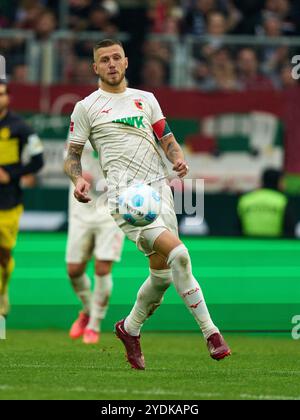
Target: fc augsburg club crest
{"x":138,"y":104}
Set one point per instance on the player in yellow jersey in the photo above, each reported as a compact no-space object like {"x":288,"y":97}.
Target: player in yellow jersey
{"x":15,"y":135}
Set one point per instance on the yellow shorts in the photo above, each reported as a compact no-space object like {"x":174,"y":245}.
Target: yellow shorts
{"x":9,"y":226}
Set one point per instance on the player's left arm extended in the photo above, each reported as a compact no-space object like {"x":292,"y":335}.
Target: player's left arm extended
{"x":175,"y":154}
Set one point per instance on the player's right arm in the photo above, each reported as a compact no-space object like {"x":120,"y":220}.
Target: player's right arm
{"x":78,"y":135}
{"x":74,"y":171}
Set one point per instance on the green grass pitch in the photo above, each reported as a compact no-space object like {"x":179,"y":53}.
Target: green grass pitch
{"x":47,"y":365}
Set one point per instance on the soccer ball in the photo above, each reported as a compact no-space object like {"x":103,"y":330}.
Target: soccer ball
{"x":139,"y":205}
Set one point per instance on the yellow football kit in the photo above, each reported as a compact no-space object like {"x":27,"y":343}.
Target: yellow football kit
{"x":15,"y":135}
{"x":9,"y":226}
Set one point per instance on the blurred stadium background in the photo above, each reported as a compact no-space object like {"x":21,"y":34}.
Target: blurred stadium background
{"x":223,"y":73}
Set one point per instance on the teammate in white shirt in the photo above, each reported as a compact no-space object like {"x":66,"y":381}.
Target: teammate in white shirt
{"x":92,"y":232}
{"x":127,"y":128}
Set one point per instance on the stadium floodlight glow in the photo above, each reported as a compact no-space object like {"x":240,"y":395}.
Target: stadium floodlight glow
{"x":2,"y":328}
{"x":2,"y":68}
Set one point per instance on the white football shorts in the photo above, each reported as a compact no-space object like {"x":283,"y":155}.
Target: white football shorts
{"x":145,"y":236}
{"x":104,"y":241}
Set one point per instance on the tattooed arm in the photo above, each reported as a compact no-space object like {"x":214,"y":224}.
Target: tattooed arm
{"x":175,"y":154}
{"x":73,"y":169}
{"x":72,"y":164}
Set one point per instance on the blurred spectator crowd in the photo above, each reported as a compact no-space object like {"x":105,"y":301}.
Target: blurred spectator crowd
{"x":214,"y":62}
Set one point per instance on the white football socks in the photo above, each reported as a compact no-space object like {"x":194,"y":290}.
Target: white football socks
{"x":100,"y":300}
{"x":82,"y":288}
{"x":149,"y":298}
{"x":189,"y":289}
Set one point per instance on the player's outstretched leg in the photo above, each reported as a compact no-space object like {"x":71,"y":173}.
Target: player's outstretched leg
{"x":190,"y":291}
{"x":82,"y":287}
{"x":149,"y":298}
{"x":99,"y":306}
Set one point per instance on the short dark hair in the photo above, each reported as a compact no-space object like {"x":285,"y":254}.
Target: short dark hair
{"x":271,"y":178}
{"x":107,"y":43}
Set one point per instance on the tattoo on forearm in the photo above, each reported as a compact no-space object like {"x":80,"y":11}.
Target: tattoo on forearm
{"x":174,"y":151}
{"x":72,"y":164}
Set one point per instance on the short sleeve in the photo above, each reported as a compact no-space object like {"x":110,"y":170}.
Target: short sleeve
{"x":35,"y":145}
{"x":80,"y":125}
{"x":157,"y":113}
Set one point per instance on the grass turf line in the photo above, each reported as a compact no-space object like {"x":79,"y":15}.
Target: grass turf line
{"x":47,"y":365}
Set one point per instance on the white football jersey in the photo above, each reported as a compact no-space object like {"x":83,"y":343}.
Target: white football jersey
{"x":94,"y":212}
{"x":119,"y":126}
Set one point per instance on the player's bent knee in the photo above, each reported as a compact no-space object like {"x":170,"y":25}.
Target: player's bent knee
{"x":179,"y":258}
{"x":157,"y":262}
{"x":76,"y":270}
{"x":166,"y":242}
{"x":103,"y":268}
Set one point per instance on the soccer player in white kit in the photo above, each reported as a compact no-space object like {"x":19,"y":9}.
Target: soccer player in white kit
{"x":92,"y":232}
{"x":127,"y":128}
